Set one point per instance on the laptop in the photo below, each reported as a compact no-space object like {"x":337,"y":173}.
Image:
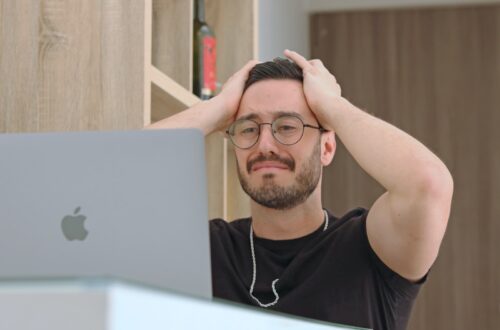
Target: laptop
{"x":128,"y":205}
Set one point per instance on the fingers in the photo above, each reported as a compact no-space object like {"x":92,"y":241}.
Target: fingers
{"x":248,"y":66}
{"x":302,"y":62}
{"x":251,"y":63}
{"x":297,"y":58}
{"x":317,"y":63}
{"x":243,"y":72}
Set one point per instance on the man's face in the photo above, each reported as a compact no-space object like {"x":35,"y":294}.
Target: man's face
{"x":275,"y":175}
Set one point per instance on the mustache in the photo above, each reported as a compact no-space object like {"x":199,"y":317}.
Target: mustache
{"x":290,"y":163}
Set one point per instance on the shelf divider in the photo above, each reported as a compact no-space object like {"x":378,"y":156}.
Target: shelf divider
{"x":167,"y":96}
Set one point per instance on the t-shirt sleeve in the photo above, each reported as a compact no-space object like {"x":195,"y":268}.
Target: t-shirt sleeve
{"x":393,"y":280}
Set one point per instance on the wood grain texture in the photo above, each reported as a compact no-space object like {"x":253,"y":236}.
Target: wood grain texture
{"x":167,"y":96}
{"x":234,"y":24}
{"x":172,"y":39}
{"x":214,"y":144}
{"x":71,"y":65}
{"x":18,"y":66}
{"x":147,"y":113}
{"x":435,"y":74}
{"x":238,"y":201}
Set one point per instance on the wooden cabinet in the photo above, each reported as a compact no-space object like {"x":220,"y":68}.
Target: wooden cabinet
{"x":69,"y":65}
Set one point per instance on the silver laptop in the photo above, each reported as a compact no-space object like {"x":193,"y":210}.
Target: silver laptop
{"x":128,"y":205}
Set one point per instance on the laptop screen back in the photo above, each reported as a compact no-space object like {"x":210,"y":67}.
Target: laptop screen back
{"x":130,"y":205}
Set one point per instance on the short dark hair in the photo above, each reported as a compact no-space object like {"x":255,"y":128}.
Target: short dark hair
{"x":278,"y":68}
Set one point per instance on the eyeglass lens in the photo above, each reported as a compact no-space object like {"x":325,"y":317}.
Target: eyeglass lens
{"x":286,"y":129}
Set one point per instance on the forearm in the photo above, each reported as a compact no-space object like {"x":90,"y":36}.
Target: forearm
{"x":202,"y":115}
{"x":397,"y":161}
{"x":215,"y":114}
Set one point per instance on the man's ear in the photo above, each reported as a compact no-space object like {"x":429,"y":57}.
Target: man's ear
{"x":328,"y":147}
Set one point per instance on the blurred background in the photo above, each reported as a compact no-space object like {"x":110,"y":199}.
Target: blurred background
{"x":431,"y":68}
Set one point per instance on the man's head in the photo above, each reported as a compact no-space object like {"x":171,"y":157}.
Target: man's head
{"x":277,"y":69}
{"x":281,"y":167}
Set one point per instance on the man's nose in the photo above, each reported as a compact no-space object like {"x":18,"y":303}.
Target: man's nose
{"x":267,"y":143}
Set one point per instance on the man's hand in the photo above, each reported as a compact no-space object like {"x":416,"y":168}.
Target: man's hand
{"x":214,"y":114}
{"x":320,"y":88}
{"x":231,"y":94}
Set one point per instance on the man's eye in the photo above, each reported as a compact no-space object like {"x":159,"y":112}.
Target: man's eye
{"x":248,"y":130}
{"x":286,"y":129}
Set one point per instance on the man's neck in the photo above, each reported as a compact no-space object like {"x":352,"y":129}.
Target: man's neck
{"x":287,"y":224}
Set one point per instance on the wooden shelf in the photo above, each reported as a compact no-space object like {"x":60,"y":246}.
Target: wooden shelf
{"x":170,"y":74}
{"x":172,"y":35}
{"x":134,"y":65}
{"x":167,"y":96}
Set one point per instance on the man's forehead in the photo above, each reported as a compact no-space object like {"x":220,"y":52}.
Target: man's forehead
{"x":268,"y":114}
{"x":268,"y":99}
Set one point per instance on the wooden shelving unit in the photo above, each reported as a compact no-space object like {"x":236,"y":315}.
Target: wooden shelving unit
{"x":118,"y":65}
{"x":168,"y":96}
{"x":234,"y":22}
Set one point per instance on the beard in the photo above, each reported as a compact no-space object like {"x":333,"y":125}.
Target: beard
{"x":279,"y":197}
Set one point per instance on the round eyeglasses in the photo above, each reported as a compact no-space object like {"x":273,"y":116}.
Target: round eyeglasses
{"x":287,"y":130}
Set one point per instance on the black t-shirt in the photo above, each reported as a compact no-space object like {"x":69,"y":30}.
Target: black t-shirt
{"x":331,"y":275}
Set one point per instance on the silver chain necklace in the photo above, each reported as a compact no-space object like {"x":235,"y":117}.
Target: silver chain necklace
{"x":273,"y":284}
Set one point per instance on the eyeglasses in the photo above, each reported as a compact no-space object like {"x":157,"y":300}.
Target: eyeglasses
{"x":287,"y":130}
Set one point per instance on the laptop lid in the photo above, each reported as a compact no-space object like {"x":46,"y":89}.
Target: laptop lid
{"x":131,"y":205}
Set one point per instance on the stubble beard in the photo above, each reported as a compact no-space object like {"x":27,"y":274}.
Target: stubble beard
{"x":279,"y":197}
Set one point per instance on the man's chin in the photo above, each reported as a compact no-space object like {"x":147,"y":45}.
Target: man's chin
{"x":275,"y":174}
{"x":268,"y":176}
{"x":266,"y":180}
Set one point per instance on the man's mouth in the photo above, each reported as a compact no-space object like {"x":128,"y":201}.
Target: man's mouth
{"x":273,"y":162}
{"x":269,"y":165}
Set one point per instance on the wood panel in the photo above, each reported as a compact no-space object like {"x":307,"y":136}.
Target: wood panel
{"x":435,"y":74}
{"x":234,"y":24}
{"x":173,"y":25}
{"x":238,"y":201}
{"x":68,"y":65}
{"x":71,"y":65}
{"x":19,"y":65}
{"x":167,"y":96}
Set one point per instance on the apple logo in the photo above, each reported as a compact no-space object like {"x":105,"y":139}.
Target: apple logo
{"x":72,"y":226}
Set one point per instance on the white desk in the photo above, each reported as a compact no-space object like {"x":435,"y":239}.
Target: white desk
{"x":112,"y":305}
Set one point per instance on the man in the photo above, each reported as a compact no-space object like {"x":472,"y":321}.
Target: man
{"x":364,"y":268}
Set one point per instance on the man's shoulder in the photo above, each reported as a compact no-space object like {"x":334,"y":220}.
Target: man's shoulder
{"x":353,"y":217}
{"x":219,"y":225}
{"x":356,"y":212}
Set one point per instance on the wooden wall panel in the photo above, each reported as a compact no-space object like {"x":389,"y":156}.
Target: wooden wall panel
{"x":18,"y":65}
{"x":173,"y":25}
{"x":234,"y":24}
{"x":435,"y":73}
{"x":71,"y":65}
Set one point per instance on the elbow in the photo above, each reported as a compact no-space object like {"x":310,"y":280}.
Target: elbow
{"x":436,"y":186}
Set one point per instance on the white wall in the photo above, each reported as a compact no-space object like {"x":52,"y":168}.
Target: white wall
{"x":282,"y":24}
{"x":285,"y":23}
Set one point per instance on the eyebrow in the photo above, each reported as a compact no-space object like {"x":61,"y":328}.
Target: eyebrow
{"x":277,"y":114}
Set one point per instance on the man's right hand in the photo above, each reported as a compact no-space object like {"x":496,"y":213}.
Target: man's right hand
{"x":215,"y":114}
{"x":230,"y":96}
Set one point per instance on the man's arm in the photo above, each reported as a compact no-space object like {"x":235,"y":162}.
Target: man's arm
{"x":203,"y":116}
{"x":214,"y":114}
{"x":407,"y":223}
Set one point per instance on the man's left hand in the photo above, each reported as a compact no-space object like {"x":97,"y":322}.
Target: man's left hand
{"x":321,"y":89}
